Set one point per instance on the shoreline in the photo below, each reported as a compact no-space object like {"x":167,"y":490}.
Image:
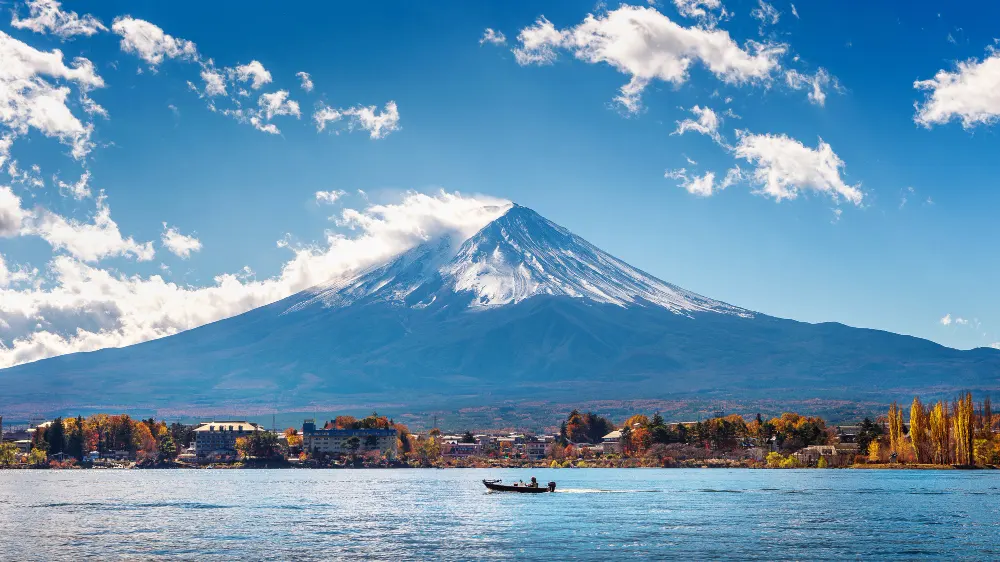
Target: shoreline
{"x":280,"y":466}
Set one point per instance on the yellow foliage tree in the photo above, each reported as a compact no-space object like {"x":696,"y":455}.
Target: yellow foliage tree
{"x":873,"y":451}
{"x":895,"y":429}
{"x":918,"y":430}
{"x":964,"y":413}
{"x":774,"y":459}
{"x":937,"y":423}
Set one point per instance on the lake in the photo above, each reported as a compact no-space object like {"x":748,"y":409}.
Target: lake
{"x":596,"y":514}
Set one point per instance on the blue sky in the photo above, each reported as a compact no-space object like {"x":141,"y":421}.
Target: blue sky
{"x":542,"y":129}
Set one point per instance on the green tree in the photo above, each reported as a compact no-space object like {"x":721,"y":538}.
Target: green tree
{"x":167,"y":449}
{"x":74,"y":443}
{"x":8,"y":453}
{"x":37,"y":457}
{"x":468,"y":438}
{"x":56,"y":437}
{"x":868,"y":432}
{"x":353,"y":444}
{"x":822,"y":463}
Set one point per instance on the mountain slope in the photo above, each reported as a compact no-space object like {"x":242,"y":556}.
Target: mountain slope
{"x":522,"y":310}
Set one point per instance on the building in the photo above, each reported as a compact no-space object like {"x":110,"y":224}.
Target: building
{"x":611,"y":443}
{"x":458,"y":450}
{"x":216,"y":440}
{"x":344,"y":441}
{"x":841,"y":454}
{"x":535,"y":447}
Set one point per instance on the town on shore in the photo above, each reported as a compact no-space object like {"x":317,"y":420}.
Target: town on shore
{"x":959,"y":434}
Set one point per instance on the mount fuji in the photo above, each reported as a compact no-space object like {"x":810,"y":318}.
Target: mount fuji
{"x":523,"y":310}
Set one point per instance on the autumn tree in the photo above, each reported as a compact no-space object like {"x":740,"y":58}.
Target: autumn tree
{"x":8,"y":453}
{"x":37,"y":457}
{"x":293,"y":439}
{"x":937,"y":423}
{"x":343,"y":422}
{"x":919,"y":436}
{"x":895,"y":429}
{"x":143,"y":443}
{"x":963,"y":412}
{"x":985,"y":423}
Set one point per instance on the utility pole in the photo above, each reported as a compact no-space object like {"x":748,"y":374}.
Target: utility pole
{"x":435,"y":422}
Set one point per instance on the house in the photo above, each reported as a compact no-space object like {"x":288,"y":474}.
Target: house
{"x":611,"y":443}
{"x":343,"y":441}
{"x":841,"y":454}
{"x":216,"y":440}
{"x":458,"y":450}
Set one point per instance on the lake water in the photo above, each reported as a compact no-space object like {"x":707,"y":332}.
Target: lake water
{"x":596,"y":514}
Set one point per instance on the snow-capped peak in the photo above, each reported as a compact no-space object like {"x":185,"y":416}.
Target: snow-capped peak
{"x":518,"y":256}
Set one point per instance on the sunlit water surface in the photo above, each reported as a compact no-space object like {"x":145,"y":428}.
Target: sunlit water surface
{"x":596,"y":514}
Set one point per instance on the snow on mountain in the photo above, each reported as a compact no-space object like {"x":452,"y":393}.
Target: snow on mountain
{"x":515,"y":257}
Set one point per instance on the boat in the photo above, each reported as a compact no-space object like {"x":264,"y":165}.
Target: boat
{"x":499,"y":486}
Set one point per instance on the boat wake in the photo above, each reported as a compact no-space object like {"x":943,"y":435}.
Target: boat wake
{"x":599,"y":491}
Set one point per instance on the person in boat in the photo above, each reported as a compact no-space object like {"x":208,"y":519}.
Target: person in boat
{"x":534,"y":483}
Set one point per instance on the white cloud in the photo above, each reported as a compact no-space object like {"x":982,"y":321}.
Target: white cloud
{"x":766,"y":13}
{"x":784,"y":167}
{"x":270,"y":105}
{"x":85,"y":308}
{"x":307,"y":83}
{"x":47,"y":16}
{"x":538,"y":43}
{"x":329,"y":197}
{"x":948,"y":320}
{"x":179,"y":244}
{"x":646,"y":45}
{"x":816,"y":83}
{"x":253,"y":72}
{"x":150,"y":43}
{"x":795,"y":12}
{"x":78,"y":190}
{"x":493,"y":37}
{"x":703,"y":185}
{"x":325,"y":114}
{"x":971,"y":93}
{"x":703,"y":10}
{"x":215,"y":82}
{"x":277,"y":103}
{"x":31,"y":99}
{"x":700,"y":185}
{"x":378,"y":125}
{"x":11,"y":213}
{"x":707,"y":123}
{"x":89,"y":242}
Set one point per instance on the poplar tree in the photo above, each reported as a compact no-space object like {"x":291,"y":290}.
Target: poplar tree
{"x":938,"y":425}
{"x":964,"y":435}
{"x":918,"y":430}
{"x":895,"y":428}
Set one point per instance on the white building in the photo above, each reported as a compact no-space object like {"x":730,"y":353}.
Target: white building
{"x":344,"y":441}
{"x":217,"y":439}
{"x":611,"y":443}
